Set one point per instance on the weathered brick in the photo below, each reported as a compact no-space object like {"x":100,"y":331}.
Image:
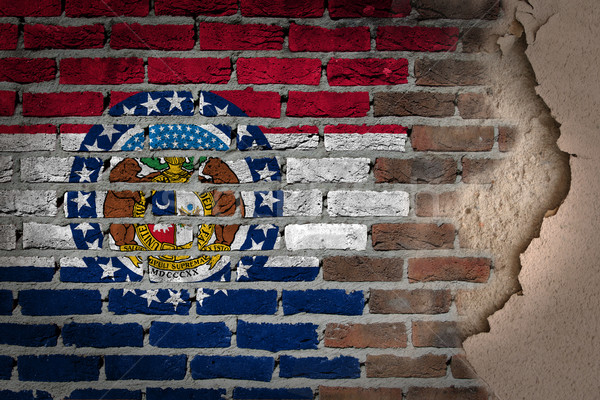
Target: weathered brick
{"x":193,"y":8}
{"x":452,"y":138}
{"x":152,"y":37}
{"x":121,"y":394}
{"x":366,"y":203}
{"x":220,"y":36}
{"x":476,"y":40}
{"x":30,"y":8}
{"x":58,"y":368}
{"x":410,"y":236}
{"x":8,"y":100}
{"x":239,"y":302}
{"x":439,"y":334}
{"x":355,"y":393}
{"x":276,"y":337}
{"x":101,"y":71}
{"x":208,"y":334}
{"x":8,"y":237}
{"x":449,"y":393}
{"x":405,"y":104}
{"x":266,"y":393}
{"x":6,"y":164}
{"x":334,"y":170}
{"x":63,"y":104}
{"x":6,"y":296}
{"x":292,"y":71}
{"x":254,"y":104}
{"x":322,"y":301}
{"x":457,"y":9}
{"x":6,"y":367}
{"x":27,"y":70}
{"x":428,"y":170}
{"x":103,"y":335}
{"x":316,"y":38}
{"x":27,"y":138}
{"x":362,"y":269}
{"x":475,"y":105}
{"x":158,"y":302}
{"x":26,"y":269}
{"x":391,"y":366}
{"x":344,"y":137}
{"x":470,"y":269}
{"x":416,"y":38}
{"x":449,"y":72}
{"x":29,"y":335}
{"x":479,"y":170}
{"x":106,"y":8}
{"x":435,"y":204}
{"x":282,"y":8}
{"x":188,"y":70}
{"x":277,"y":268}
{"x":369,"y":8}
{"x":326,"y":236}
{"x":377,"y":335}
{"x":9,"y":36}
{"x":180,"y":394}
{"x":327,"y":104}
{"x":416,"y":301}
{"x":146,"y":367}
{"x":237,"y":367}
{"x":41,"y":36}
{"x":341,"y":367}
{"x":28,"y":202}
{"x":507,"y":138}
{"x":60,"y":302}
{"x":461,"y":369}
{"x":55,"y":169}
{"x":367,"y":71}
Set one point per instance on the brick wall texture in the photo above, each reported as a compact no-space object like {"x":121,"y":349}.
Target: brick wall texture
{"x":240,"y":200}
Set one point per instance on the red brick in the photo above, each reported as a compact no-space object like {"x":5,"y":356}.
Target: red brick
{"x":475,"y":105}
{"x":369,"y":8}
{"x":292,"y":71}
{"x":376,"y":335}
{"x":315,"y":38}
{"x":63,"y":104}
{"x":152,"y":37}
{"x":479,"y":170}
{"x":7,"y":102}
{"x":390,"y":366}
{"x":430,"y":170}
{"x":254,"y":104}
{"x":457,"y":9}
{"x":449,"y":393}
{"x":30,"y":8}
{"x":452,"y":138}
{"x":416,"y":38}
{"x":106,"y":8}
{"x":27,"y":70}
{"x":354,"y":393}
{"x":327,"y":104}
{"x":507,"y":138}
{"x":438,"y":334}
{"x":101,"y":71}
{"x":405,"y":104}
{"x":9,"y":36}
{"x":367,"y":71}
{"x":219,"y":36}
{"x":189,"y":70}
{"x":435,"y":204}
{"x":193,"y":8}
{"x":417,"y":301}
{"x":461,"y":369}
{"x":448,"y":72}
{"x":283,"y":8}
{"x":469,"y":269}
{"x":64,"y":37}
{"x":410,"y":236}
{"x":31,"y":129}
{"x":362,"y":269}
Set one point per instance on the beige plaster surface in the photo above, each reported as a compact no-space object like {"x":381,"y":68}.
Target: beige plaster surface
{"x":544,"y":344}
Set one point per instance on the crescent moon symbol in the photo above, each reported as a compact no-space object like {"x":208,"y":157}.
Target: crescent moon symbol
{"x":162,"y":206}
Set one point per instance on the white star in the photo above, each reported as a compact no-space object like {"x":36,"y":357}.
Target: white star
{"x":84,"y":228}
{"x":268,"y":199}
{"x":150,"y":296}
{"x":175,"y":101}
{"x":200,"y":296}
{"x":95,"y":245}
{"x":242,"y":133}
{"x":151,"y":104}
{"x":222,"y":279}
{"x":109,"y":132}
{"x":242,"y":270}
{"x":203,"y":104}
{"x":129,"y":111}
{"x":92,"y":147}
{"x":256,"y":245}
{"x":222,"y":111}
{"x":224,"y":291}
{"x":265,"y":173}
{"x":126,"y":290}
{"x":82,"y":200}
{"x":108,"y":270}
{"x":84,"y":174}
{"x":175,"y":299}
{"x":265,"y":228}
